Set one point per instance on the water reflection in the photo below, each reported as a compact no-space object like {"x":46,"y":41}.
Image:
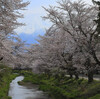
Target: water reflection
{"x":25,"y":92}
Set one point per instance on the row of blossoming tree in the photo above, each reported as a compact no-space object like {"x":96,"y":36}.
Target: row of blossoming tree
{"x":71,"y":45}
{"x":12,"y":48}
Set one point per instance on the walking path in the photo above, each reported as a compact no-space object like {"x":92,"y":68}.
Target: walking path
{"x":96,"y":77}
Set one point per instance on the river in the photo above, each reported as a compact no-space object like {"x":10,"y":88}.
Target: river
{"x":30,"y":91}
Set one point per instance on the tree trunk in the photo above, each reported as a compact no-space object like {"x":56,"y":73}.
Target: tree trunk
{"x":90,"y":70}
{"x":76,"y":76}
{"x":71,"y":76}
{"x":90,"y":76}
{"x":95,"y":57}
{"x":1,"y":58}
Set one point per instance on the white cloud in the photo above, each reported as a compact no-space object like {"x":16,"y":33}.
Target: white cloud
{"x":25,"y":29}
{"x":33,"y":20}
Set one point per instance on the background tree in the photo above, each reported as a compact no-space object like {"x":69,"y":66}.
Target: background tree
{"x":9,"y":13}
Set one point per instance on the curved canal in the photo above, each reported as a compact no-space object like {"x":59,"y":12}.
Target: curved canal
{"x":25,"y":92}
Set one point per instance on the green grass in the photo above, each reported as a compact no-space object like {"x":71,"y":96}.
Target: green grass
{"x":6,"y":77}
{"x":97,"y":96}
{"x":65,"y":88}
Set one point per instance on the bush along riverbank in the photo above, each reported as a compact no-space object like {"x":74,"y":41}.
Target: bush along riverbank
{"x":64,"y":87}
{"x":6,"y":76}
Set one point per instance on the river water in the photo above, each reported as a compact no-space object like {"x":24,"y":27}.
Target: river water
{"x":25,"y":92}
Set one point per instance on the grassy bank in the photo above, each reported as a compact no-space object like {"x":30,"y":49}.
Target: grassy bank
{"x":64,"y":88}
{"x":6,"y":77}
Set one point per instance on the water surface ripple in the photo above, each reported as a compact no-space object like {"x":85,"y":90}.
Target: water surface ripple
{"x":25,"y":92}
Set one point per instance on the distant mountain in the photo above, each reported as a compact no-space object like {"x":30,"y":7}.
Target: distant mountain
{"x":31,"y":38}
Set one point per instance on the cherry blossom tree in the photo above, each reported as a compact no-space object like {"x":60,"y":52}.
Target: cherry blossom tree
{"x":77,"y":20}
{"x":54,"y":52}
{"x":9,"y":41}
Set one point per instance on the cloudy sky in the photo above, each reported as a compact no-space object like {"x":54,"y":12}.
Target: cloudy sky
{"x":33,"y":19}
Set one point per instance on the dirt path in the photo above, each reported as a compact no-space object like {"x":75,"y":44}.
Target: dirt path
{"x":96,"y":77}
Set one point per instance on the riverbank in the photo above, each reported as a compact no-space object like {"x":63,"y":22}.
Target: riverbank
{"x":6,"y":76}
{"x":64,"y":87}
